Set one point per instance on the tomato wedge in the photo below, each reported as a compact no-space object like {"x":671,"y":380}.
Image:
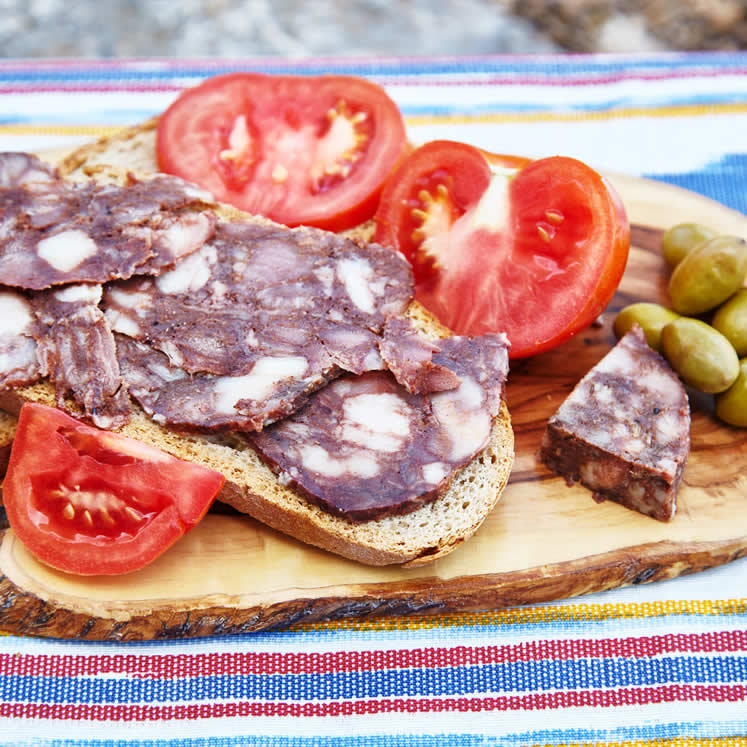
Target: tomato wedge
{"x":88,"y":501}
{"x":296,"y":149}
{"x":535,"y":249}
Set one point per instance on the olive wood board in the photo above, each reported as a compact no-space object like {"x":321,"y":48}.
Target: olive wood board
{"x":544,"y":540}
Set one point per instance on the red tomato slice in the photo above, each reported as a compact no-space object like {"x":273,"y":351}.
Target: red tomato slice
{"x":535,"y":249}
{"x":296,"y":149}
{"x":88,"y":501}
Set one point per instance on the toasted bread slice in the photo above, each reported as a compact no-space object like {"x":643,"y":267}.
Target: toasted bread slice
{"x":413,"y":539}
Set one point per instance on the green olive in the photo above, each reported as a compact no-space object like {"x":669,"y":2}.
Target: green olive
{"x":703,"y":357}
{"x":709,"y":275}
{"x":731,"y":321}
{"x":731,"y":405}
{"x":649,"y":316}
{"x":681,"y":239}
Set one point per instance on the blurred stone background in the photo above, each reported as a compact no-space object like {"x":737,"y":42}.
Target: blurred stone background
{"x":295,"y":28}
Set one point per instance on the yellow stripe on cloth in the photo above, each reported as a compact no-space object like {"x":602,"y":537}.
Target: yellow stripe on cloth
{"x":60,"y":130}
{"x":528,"y":615}
{"x":700,"y":110}
{"x":658,"y":742}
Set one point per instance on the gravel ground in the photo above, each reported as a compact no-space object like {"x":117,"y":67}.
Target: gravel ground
{"x":288,"y":28}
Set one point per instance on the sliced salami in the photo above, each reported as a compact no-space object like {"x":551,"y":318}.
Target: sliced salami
{"x":18,"y":330}
{"x":76,"y":350}
{"x":19,"y":169}
{"x":276,"y":386}
{"x":53,"y":232}
{"x":255,"y":287}
{"x":409,"y":356}
{"x":624,"y":431}
{"x":364,"y":447}
{"x":289,"y":308}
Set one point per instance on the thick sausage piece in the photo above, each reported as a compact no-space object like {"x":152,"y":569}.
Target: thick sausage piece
{"x":624,"y":431}
{"x":364,"y":447}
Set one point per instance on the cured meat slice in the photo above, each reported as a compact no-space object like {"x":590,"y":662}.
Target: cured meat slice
{"x":17,"y":169}
{"x":53,"y":232}
{"x":624,"y":431}
{"x":76,"y":350}
{"x":409,"y":356}
{"x":276,"y":386}
{"x":18,"y":329}
{"x":364,"y":447}
{"x":255,"y":289}
{"x":263,"y":313}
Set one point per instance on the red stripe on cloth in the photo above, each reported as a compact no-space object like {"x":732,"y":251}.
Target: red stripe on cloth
{"x":534,"y":702}
{"x":193,"y":665}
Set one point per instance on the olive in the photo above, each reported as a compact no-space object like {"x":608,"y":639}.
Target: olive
{"x":679,"y":240}
{"x":731,"y":405}
{"x":702,"y":356}
{"x":709,"y":275}
{"x":731,"y":321}
{"x":649,"y":316}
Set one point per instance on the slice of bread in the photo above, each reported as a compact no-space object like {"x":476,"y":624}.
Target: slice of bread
{"x":413,"y":539}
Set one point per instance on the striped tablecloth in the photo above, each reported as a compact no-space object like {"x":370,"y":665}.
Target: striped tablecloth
{"x":664,"y":663}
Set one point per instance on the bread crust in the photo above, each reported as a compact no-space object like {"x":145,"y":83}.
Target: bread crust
{"x":413,"y":539}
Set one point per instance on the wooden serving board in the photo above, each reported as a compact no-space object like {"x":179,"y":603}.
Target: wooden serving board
{"x":544,"y":541}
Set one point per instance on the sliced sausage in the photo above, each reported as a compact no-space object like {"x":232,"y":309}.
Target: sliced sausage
{"x":364,"y":447}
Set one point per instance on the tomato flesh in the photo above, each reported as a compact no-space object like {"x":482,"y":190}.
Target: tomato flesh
{"x":296,"y":149}
{"x":535,"y":249}
{"x":89,"y":502}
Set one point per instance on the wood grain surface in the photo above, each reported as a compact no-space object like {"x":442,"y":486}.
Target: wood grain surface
{"x":544,"y":541}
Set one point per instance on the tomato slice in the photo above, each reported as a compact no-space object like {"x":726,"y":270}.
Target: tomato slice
{"x":88,"y":501}
{"x":535,"y":249}
{"x":296,"y":149}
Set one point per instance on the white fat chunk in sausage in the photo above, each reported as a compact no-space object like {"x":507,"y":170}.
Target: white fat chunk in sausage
{"x":376,"y":421}
{"x":130,"y":299}
{"x":282,"y":261}
{"x":122,"y":323}
{"x":463,"y":417}
{"x":17,"y":354}
{"x":326,"y":276}
{"x":16,"y":316}
{"x":191,"y":274}
{"x":373,"y":361}
{"x":80,"y":293}
{"x":185,"y":235}
{"x":174,"y":354}
{"x":660,"y":386}
{"x":264,"y":377}
{"x":355,"y":276}
{"x":317,"y":459}
{"x":67,"y":249}
{"x":668,"y":427}
{"x":165,"y":373}
{"x":435,"y":472}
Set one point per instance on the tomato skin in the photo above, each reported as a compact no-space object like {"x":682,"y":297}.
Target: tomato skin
{"x":92,"y":502}
{"x":296,"y":149}
{"x":537,"y":255}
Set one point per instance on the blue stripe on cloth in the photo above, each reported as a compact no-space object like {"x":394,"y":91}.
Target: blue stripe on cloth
{"x":723,"y":181}
{"x":551,"y":66}
{"x":648,"y":732}
{"x":516,"y":677}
